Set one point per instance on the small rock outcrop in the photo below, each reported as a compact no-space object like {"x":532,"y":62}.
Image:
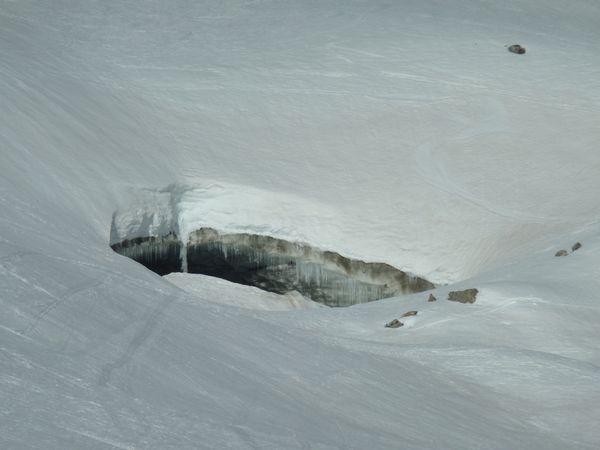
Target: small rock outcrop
{"x":466,"y":296}
{"x":409,"y":313}
{"x":431,"y":298}
{"x":576,"y":246}
{"x":561,"y":253}
{"x":394,"y":324}
{"x":516,"y":48}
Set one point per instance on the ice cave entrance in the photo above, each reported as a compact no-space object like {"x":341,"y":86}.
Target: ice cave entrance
{"x":274,"y":265}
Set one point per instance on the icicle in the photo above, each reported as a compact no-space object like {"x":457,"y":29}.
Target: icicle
{"x":183,"y":256}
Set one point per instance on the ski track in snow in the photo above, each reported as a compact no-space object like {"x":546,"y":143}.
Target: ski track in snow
{"x":141,"y":336}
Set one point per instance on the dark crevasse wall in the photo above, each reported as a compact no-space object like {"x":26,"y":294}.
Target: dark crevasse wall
{"x":161,"y":254}
{"x":274,"y":265}
{"x":281,"y":266}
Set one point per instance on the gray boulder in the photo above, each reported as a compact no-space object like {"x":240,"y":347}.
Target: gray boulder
{"x":516,"y":48}
{"x":561,"y":253}
{"x":409,"y":313}
{"x":431,"y":298}
{"x":394,"y":324}
{"x":576,"y":246}
{"x":466,"y":296}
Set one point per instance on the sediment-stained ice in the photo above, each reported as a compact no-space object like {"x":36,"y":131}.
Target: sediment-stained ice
{"x":274,"y":265}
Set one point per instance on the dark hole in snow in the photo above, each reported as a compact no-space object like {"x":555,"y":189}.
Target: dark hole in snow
{"x":159,"y":254}
{"x":274,"y":265}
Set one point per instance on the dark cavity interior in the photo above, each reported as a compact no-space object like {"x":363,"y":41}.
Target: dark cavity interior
{"x":159,"y":254}
{"x":274,"y":265}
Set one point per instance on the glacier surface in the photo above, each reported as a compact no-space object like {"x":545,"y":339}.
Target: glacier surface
{"x":402,"y":132}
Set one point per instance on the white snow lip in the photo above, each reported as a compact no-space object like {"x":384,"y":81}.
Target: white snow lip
{"x":183,"y":208}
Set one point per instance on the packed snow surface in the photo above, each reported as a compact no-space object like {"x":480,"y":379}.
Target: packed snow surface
{"x":399,"y":131}
{"x":220,"y":291}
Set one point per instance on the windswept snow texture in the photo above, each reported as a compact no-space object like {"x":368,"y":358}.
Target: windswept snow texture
{"x":399,"y":131}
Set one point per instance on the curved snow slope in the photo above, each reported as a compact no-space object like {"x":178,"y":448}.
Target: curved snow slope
{"x":225,"y":292}
{"x":400,"y":132}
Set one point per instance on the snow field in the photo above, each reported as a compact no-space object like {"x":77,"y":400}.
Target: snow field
{"x":401,"y":132}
